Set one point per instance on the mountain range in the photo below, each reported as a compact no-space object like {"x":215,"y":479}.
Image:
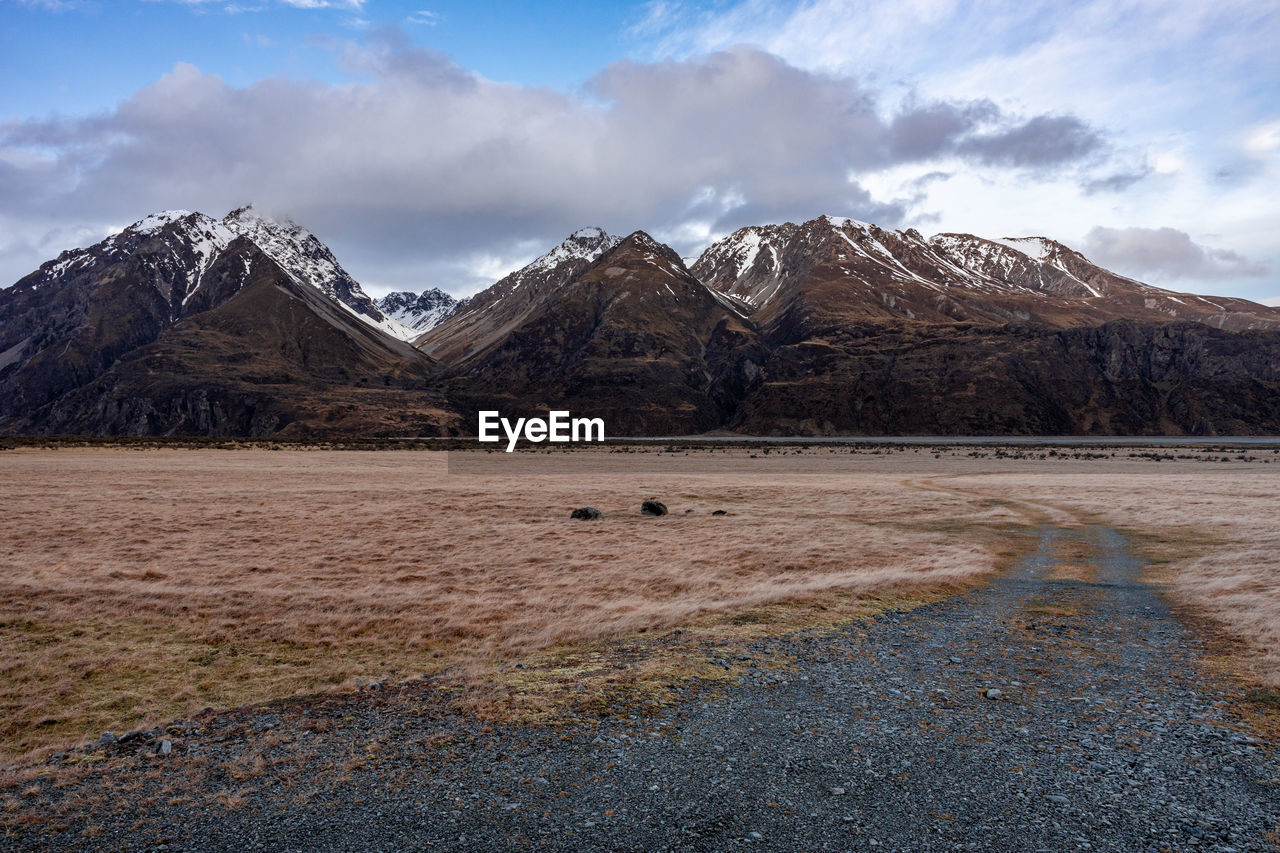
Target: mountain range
{"x":185,"y":324}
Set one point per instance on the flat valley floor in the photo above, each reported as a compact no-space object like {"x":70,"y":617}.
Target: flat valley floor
{"x":888,"y":647}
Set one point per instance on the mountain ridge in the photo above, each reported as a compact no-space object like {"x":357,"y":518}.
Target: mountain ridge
{"x":845,"y":270}
{"x":246,"y":325}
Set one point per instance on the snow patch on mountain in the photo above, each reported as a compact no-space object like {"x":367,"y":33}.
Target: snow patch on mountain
{"x":747,"y":250}
{"x":1047,"y":252}
{"x":842,"y":222}
{"x":156,"y":221}
{"x":745,"y":256}
{"x":1037,"y":248}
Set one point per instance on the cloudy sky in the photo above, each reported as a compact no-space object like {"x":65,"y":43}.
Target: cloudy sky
{"x":445,"y":144}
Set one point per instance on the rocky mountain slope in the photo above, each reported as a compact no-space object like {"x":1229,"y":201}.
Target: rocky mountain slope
{"x":1119,"y":378}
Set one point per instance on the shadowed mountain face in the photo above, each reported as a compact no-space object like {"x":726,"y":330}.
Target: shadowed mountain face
{"x":631,"y":337}
{"x":180,"y":325}
{"x":1119,"y":378}
{"x":70,"y":320}
{"x":243,"y":326}
{"x":493,"y":312}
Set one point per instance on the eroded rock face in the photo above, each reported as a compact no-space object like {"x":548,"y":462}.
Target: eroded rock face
{"x":1121,"y":378}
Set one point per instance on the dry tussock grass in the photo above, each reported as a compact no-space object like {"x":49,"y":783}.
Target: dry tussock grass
{"x":141,"y":586}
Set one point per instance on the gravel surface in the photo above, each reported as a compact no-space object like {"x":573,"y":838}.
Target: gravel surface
{"x":1032,"y":714}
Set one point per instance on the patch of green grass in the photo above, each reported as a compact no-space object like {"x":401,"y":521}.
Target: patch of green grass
{"x":1264,"y":697}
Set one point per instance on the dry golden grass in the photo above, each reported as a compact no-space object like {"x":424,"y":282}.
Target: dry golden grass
{"x":137,"y":586}
{"x":141,"y":585}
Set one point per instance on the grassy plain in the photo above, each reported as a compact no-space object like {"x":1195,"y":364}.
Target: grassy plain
{"x":138,"y":586}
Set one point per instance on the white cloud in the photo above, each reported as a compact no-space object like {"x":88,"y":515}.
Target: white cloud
{"x":424,"y":17}
{"x":428,"y":165}
{"x":51,"y":5}
{"x":1263,"y":142}
{"x":1165,"y":253}
{"x":1181,"y":91}
{"x":997,"y":117}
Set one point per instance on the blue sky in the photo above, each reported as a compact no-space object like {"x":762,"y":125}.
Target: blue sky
{"x":446,"y":143}
{"x":78,"y":56}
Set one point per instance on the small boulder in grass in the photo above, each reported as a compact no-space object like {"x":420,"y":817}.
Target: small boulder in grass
{"x":589,"y":513}
{"x":653,"y":508}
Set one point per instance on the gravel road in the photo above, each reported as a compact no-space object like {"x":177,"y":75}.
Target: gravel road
{"x":886,"y":735}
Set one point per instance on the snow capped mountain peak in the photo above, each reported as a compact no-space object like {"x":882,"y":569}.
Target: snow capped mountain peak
{"x":156,"y":221}
{"x":245,"y":212}
{"x":642,"y":247}
{"x":310,"y":262}
{"x":294,"y":248}
{"x":259,"y":228}
{"x":584,"y":244}
{"x":748,"y":264}
{"x":640,"y":239}
{"x":742,"y":248}
{"x":183,"y":245}
{"x":759,"y":263}
{"x":842,"y":222}
{"x":483,"y":316}
{"x":248,"y":219}
{"x":206,"y":236}
{"x":419,"y":311}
